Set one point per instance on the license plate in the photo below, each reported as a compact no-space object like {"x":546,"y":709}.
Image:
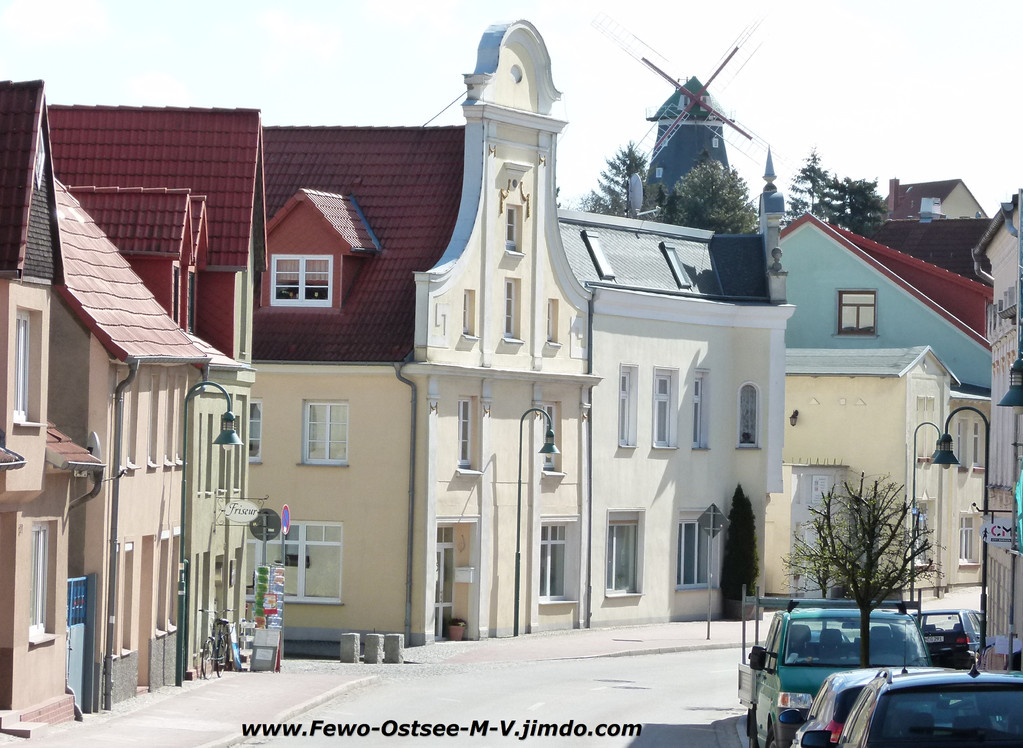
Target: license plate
{"x":934,"y":639}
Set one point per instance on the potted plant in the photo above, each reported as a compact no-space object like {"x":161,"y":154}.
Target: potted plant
{"x":456,"y":629}
{"x":740,"y":564}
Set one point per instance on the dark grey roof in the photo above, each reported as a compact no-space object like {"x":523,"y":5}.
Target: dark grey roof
{"x":854,"y":362}
{"x":638,"y":254}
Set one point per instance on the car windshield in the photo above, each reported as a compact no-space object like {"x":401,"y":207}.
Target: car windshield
{"x":951,"y":714}
{"x":835,"y":642}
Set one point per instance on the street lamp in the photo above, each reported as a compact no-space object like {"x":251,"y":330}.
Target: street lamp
{"x":945,"y":456}
{"x":548,"y":448}
{"x":228,"y":438}
{"x":912,"y":571}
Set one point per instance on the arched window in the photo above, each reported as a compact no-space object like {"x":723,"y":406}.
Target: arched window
{"x":749,"y":416}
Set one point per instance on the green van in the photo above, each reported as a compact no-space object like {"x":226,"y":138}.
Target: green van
{"x":806,"y":644}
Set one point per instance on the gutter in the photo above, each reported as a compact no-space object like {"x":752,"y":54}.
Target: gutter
{"x":411,"y":500}
{"x":589,"y":465}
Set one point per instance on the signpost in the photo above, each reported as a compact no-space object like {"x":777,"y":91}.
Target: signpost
{"x":710,"y":522}
{"x":266,"y":526}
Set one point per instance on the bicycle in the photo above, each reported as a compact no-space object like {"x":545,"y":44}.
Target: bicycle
{"x":216,"y":650}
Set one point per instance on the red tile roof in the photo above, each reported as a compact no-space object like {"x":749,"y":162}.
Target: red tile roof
{"x":946,"y":242}
{"x":21,"y":106}
{"x":907,"y":197}
{"x":960,"y":300}
{"x":408,"y":184}
{"x":63,"y":453}
{"x":151,"y":222}
{"x":212,"y":152}
{"x":108,"y":296}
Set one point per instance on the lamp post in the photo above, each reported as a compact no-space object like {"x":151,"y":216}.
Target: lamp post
{"x":944,"y":456}
{"x":915,"y":512}
{"x":548,"y":448}
{"x":228,"y":437}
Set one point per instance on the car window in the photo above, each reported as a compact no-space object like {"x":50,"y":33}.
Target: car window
{"x":855,"y":728}
{"x":844,"y":701}
{"x":940,"y":622}
{"x":950,"y":712}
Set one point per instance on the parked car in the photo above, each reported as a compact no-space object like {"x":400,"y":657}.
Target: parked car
{"x":805,"y":644}
{"x":834,"y":700}
{"x":965,"y":709}
{"x":952,"y":636}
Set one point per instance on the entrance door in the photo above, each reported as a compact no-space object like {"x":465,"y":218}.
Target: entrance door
{"x":444,"y":595}
{"x":79,"y":630}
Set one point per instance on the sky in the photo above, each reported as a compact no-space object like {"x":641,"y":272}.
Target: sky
{"x":880,"y":89}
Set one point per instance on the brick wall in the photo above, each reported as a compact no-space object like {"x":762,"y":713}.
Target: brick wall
{"x":61,"y":709}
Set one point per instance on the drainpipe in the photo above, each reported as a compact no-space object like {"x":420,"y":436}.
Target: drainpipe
{"x":411,"y":502}
{"x":108,"y":675}
{"x":97,"y":477}
{"x":589,"y":463}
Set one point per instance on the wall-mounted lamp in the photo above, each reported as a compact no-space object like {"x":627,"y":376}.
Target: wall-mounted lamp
{"x":794,"y":417}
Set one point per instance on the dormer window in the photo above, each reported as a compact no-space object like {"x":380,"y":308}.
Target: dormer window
{"x":301,"y":280}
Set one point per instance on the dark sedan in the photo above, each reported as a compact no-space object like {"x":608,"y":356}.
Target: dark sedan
{"x":952,"y":636}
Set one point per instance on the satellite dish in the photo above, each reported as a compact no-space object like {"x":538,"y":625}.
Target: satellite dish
{"x":635,"y":194}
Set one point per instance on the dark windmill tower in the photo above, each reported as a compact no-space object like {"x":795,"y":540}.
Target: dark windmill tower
{"x":697,"y":136}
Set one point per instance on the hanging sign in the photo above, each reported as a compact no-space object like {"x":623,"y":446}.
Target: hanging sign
{"x":241,"y":511}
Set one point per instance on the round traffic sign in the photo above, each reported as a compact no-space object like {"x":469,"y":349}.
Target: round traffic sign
{"x":285,"y":520}
{"x":266,"y":525}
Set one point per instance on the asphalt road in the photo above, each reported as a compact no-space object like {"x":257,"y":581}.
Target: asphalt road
{"x":679,"y":699}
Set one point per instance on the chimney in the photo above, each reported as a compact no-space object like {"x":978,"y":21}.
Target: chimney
{"x":893,"y":196}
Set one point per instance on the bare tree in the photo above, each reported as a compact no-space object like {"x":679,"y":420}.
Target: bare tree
{"x":864,"y":541}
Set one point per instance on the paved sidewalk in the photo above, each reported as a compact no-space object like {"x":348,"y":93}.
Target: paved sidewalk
{"x":205,"y":714}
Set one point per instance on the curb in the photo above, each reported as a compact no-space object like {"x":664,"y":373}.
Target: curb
{"x":296,"y":710}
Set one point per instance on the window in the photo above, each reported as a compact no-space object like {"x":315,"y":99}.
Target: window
{"x":255,"y":431}
{"x":154,"y":420}
{"x":301,"y":281}
{"x":856,"y":312}
{"x":552,"y":561}
{"x":312,"y":560}
{"x":511,"y":308}
{"x":22,"y":365}
{"x":658,"y":172}
{"x":326,"y":434}
{"x":511,"y":239}
{"x":749,"y":416}
{"x":692,"y":555}
{"x":176,"y":295}
{"x":465,"y":433}
{"x":623,"y":552}
{"x":665,"y":407}
{"x":469,"y":314}
{"x":963,"y":459}
{"x":552,"y":320}
{"x":699,"y":417}
{"x":37,"y":582}
{"x":977,"y":453}
{"x":552,"y":462}
{"x":627,"y":406}
{"x":967,"y":553}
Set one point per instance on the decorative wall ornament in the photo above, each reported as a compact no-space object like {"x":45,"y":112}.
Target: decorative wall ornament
{"x":493,"y":150}
{"x":525,"y":198}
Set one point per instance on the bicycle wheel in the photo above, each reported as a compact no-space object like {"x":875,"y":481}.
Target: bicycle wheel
{"x":206,"y":659}
{"x":220,"y":654}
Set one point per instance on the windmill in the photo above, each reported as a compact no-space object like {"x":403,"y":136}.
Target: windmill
{"x":690,"y":121}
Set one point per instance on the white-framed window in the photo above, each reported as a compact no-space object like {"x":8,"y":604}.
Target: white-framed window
{"x":967,"y":540}
{"x":255,"y":431}
{"x":22,"y":365}
{"x":39,"y":576}
{"x":665,"y":401}
{"x":692,"y":563}
{"x":312,"y":561}
{"x":511,"y":308}
{"x":978,"y":454}
{"x":857,"y":312}
{"x":469,"y":313}
{"x":552,"y":561}
{"x":623,"y":552}
{"x":552,"y":320}
{"x":465,"y":432}
{"x":749,"y":416}
{"x":552,"y":462}
{"x":700,"y":420}
{"x":627,"y":400}
{"x":511,"y":238}
{"x":154,"y":420}
{"x":326,"y":433}
{"x":301,"y":280}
